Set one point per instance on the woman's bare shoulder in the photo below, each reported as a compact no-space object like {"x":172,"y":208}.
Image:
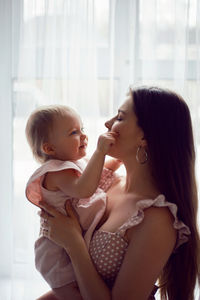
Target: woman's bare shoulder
{"x":157,"y":220}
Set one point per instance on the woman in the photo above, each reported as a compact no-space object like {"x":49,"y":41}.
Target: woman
{"x":149,"y":231}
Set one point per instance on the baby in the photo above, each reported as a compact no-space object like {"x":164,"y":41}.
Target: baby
{"x":57,"y":140}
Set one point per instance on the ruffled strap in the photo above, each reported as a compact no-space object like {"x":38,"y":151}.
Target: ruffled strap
{"x":183,"y":230}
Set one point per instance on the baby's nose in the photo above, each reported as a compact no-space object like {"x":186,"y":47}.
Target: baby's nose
{"x":83,"y":136}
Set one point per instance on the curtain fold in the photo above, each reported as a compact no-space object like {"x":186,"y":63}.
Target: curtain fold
{"x":86,"y":54}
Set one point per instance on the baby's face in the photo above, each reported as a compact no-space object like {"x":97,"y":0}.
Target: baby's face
{"x":68,"y":139}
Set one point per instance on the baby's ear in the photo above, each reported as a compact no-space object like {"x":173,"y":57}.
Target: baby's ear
{"x":48,"y":149}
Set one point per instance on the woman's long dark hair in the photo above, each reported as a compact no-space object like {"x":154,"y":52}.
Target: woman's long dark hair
{"x":165,"y":119}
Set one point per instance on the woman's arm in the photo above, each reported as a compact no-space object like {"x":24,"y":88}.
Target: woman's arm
{"x":90,"y":283}
{"x":85,"y":185}
{"x":151,"y":244}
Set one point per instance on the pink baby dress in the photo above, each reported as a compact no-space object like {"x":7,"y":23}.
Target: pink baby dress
{"x":107,"y":249}
{"x":51,"y":260}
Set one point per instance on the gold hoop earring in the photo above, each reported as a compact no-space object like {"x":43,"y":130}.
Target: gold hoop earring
{"x":137,"y":156}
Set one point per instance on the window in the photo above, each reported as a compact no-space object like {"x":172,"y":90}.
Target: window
{"x":83,"y":54}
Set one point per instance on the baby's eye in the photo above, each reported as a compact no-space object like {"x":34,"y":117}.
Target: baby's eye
{"x":82,"y":129}
{"x":74,"y":132}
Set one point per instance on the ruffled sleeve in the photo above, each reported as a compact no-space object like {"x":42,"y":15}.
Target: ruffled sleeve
{"x":182,"y":229}
{"x":33,"y":188}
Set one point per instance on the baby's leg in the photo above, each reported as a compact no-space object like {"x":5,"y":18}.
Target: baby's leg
{"x":68,"y":292}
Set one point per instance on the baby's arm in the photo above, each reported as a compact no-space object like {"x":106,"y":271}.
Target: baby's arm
{"x":113,"y":164}
{"x":85,"y":185}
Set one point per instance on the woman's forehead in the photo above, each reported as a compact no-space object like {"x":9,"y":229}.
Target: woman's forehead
{"x":127,"y":105}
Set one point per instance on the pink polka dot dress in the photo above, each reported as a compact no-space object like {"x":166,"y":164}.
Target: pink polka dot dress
{"x":107,"y":249}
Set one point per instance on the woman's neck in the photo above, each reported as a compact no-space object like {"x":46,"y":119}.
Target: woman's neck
{"x":139,"y":180}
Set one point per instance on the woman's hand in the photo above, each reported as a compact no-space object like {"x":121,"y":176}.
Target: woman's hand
{"x":63,"y":230}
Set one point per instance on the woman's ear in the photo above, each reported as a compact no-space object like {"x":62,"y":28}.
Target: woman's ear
{"x":48,"y":149}
{"x":141,"y":139}
{"x":143,"y":142}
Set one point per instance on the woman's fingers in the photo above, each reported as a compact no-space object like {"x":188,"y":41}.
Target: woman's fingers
{"x":69,"y":209}
{"x":60,"y":228}
{"x":72,"y":214}
{"x":48,"y":208}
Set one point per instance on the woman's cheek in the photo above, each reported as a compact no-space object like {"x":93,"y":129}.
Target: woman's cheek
{"x":115,"y":128}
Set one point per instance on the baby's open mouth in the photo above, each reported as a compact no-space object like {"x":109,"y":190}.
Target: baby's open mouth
{"x":83,"y":146}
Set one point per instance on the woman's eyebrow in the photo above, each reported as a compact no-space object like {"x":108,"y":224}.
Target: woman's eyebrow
{"x":121,"y":111}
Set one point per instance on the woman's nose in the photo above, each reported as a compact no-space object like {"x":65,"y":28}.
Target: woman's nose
{"x":109,"y":124}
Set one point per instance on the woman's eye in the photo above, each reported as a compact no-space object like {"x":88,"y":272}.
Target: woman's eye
{"x":119,"y":118}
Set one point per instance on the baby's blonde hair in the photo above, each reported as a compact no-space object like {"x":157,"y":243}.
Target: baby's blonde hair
{"x":38,"y":128}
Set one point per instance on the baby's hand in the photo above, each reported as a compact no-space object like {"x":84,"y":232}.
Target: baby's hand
{"x":105,"y":141}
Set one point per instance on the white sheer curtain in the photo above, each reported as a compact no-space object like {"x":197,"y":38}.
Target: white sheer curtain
{"x":82,"y":53}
